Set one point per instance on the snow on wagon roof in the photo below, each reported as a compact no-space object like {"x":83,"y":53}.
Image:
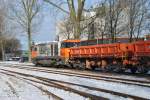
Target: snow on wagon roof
{"x":46,"y":42}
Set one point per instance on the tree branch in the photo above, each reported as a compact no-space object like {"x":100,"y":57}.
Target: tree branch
{"x":53,"y":4}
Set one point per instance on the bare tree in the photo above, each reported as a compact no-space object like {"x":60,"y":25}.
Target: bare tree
{"x":133,"y":11}
{"x":137,"y":11}
{"x":2,"y":28}
{"x":115,"y":10}
{"x":142,"y":17}
{"x":26,"y":12}
{"x":102,"y":20}
{"x":115,"y":17}
{"x":108,"y":18}
{"x":74,"y":13}
{"x":76,"y":16}
{"x":67,"y":29}
{"x":12,"y":46}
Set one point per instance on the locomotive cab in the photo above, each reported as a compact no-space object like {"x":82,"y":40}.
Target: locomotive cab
{"x":34,"y":53}
{"x":65,"y":48}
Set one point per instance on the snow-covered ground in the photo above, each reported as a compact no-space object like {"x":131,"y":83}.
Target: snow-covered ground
{"x":24,"y":90}
{"x":15,"y":89}
{"x":66,"y":70}
{"x":14,"y":62}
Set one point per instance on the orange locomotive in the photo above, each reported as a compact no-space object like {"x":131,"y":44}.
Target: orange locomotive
{"x":119,"y":56}
{"x":65,"y":48}
{"x":109,"y":57}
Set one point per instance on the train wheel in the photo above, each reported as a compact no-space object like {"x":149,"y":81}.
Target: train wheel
{"x":109,"y":68}
{"x":82,"y":66}
{"x":116,"y":68}
{"x":74,"y":66}
{"x":142,"y":69}
{"x":120,"y":70}
{"x":133,"y":70}
{"x":93,"y":67}
{"x":71,"y":65}
{"x":38,"y":65}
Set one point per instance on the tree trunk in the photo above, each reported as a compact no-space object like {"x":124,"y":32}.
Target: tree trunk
{"x":131,"y":34}
{"x":76,"y":15}
{"x":29,"y":43}
{"x":139,"y":27}
{"x":111,"y":20}
{"x":3,"y":51}
{"x":102,"y":37}
{"x":91,"y":34}
{"x":77,"y":29}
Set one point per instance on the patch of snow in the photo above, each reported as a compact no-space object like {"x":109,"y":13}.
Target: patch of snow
{"x":85,"y":72}
{"x":22,"y":90}
{"x":16,"y":63}
{"x":118,"y":87}
{"x":66,"y":95}
{"x":27,"y":92}
{"x":98,"y":93}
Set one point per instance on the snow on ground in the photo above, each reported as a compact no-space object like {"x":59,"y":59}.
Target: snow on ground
{"x":25,"y":91}
{"x":66,"y":95}
{"x":15,"y":89}
{"x":5,"y":92}
{"x":123,"y":88}
{"x":66,"y":70}
{"x":70,"y":95}
{"x":102,"y":94}
{"x":14,"y":62}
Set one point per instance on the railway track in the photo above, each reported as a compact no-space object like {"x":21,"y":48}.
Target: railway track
{"x":40,"y":88}
{"x":139,"y":75}
{"x":64,"y":85}
{"x":51,"y":83}
{"x":44,"y":90}
{"x":92,"y":71}
{"x":88,"y":71}
{"x":91,"y":76}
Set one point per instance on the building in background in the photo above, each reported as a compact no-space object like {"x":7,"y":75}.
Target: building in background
{"x":65,"y":30}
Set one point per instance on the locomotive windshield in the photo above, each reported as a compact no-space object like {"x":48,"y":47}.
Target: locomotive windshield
{"x":69,"y":44}
{"x":94,"y":42}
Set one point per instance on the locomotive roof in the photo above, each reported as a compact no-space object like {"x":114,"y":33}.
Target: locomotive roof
{"x":46,"y":42}
{"x":76,"y":40}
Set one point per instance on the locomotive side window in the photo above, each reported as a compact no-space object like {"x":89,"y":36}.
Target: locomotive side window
{"x":83,"y":43}
{"x":69,"y":44}
{"x":94,"y":42}
{"x":34,"y":49}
